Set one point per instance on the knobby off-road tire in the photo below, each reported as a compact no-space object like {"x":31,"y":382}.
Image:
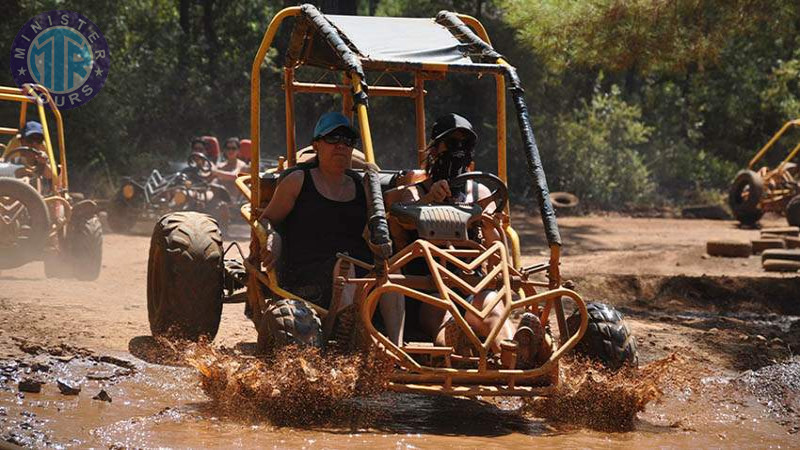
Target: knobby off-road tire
{"x":607,"y":339}
{"x":184,"y":276}
{"x":288,"y":322}
{"x":121,"y":214}
{"x":793,"y":211}
{"x":85,"y":247}
{"x":37,"y":219}
{"x":746,"y":210}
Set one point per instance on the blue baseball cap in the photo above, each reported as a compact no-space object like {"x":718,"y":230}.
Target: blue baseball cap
{"x":331,"y":121}
{"x":31,"y":128}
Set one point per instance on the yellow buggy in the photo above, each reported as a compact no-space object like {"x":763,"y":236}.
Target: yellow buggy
{"x":189,"y":277}
{"x":39,"y":218}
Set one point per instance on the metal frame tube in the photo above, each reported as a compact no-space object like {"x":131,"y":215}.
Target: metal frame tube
{"x":343,"y":89}
{"x":419,"y":103}
{"x":255,"y":97}
{"x":291,"y":143}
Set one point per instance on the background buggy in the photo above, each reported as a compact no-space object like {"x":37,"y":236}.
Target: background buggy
{"x":39,"y":218}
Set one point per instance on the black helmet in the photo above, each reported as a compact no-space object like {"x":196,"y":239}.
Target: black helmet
{"x":450,"y":122}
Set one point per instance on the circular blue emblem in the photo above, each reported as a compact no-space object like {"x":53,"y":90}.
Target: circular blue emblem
{"x":64,"y":52}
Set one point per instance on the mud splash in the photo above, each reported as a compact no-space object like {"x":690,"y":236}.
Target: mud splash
{"x":295,"y":386}
{"x":592,"y":397}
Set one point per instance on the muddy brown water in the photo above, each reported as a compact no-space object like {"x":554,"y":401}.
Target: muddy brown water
{"x":164,"y":406}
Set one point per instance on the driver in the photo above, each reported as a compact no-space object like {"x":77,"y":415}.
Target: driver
{"x":32,"y":136}
{"x":449,"y":154}
{"x":320,"y":210}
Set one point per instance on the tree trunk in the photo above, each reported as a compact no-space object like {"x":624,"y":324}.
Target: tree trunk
{"x":210,"y":36}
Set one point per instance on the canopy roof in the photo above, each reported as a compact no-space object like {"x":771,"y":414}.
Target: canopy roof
{"x":378,"y":42}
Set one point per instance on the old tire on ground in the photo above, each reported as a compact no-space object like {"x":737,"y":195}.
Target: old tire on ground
{"x":729,"y":248}
{"x":780,"y":265}
{"x":85,"y":247}
{"x":184,"y":276}
{"x":607,"y":339}
{"x":121,"y":214}
{"x":781,"y":254}
{"x":793,"y":211}
{"x":288,"y":322}
{"x":564,"y":199}
{"x":23,"y":213}
{"x":744,"y":195}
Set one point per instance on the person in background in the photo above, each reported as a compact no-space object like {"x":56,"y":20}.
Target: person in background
{"x":228,"y":170}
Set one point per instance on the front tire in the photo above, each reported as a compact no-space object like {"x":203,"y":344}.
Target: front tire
{"x":85,"y":247}
{"x":24,"y":223}
{"x":607,"y":339}
{"x":288,"y":322}
{"x":184,"y":276}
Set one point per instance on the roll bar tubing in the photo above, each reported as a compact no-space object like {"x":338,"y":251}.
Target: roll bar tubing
{"x":501,"y":69}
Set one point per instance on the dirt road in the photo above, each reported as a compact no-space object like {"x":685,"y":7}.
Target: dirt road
{"x":725,"y":315}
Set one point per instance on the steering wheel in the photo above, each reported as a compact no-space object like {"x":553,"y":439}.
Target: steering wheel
{"x":201,"y":164}
{"x":33,"y":159}
{"x":499,"y":190}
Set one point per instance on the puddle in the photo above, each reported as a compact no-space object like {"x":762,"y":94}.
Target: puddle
{"x":156,"y":405}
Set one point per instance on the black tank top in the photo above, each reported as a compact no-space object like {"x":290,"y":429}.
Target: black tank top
{"x":318,"y":227}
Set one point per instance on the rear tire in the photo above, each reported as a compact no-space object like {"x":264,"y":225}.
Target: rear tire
{"x":288,"y":322}
{"x":607,"y":339}
{"x":793,"y":211}
{"x":21,"y":200}
{"x":85,"y":247}
{"x":746,"y":209}
{"x":184,"y":276}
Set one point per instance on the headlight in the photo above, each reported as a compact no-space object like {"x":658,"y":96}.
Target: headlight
{"x":128,"y":191}
{"x":179,"y":198}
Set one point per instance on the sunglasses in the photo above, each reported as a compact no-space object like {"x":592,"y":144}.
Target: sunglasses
{"x":455,"y":143}
{"x":230,"y":149}
{"x":335,"y":139}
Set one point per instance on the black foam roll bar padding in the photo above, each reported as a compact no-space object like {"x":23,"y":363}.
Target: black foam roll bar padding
{"x":465,"y":35}
{"x":380,"y":242}
{"x":330,"y":34}
{"x":535,"y":168}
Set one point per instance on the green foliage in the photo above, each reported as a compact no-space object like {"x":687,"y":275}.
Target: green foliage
{"x":643,"y":34}
{"x":599,"y":152}
{"x":783,"y":90}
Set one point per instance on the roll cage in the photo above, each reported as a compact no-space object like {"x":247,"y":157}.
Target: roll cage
{"x":450,"y":43}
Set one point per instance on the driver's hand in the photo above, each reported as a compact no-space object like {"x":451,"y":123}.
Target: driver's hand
{"x":440,"y":190}
{"x":40,"y":156}
{"x":271,"y":251}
